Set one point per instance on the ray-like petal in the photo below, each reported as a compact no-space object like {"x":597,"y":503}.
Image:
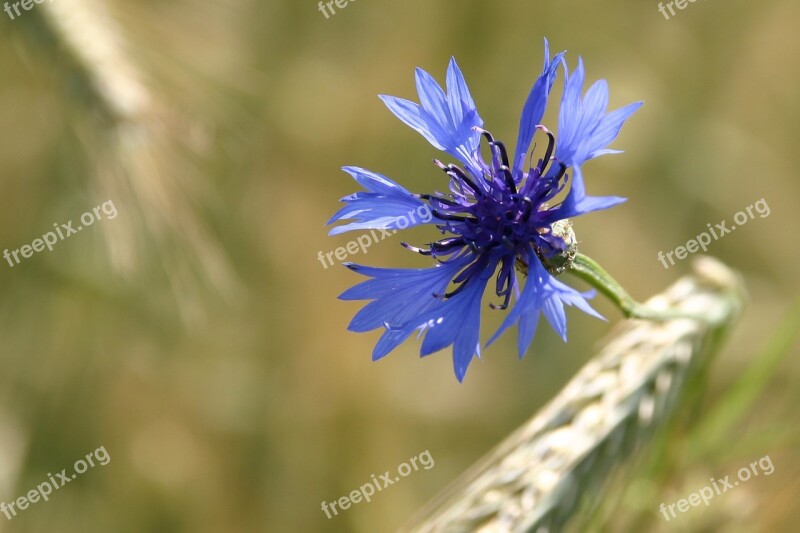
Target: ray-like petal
{"x":542,"y":293}
{"x":448,"y":120}
{"x":384,"y":205}
{"x":399,"y":295}
{"x":578,"y":202}
{"x":459,"y":98}
{"x":456,"y":320}
{"x":584,"y":128}
{"x":534,"y":107}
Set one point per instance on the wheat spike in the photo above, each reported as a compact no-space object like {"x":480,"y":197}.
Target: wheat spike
{"x":141,"y":158}
{"x":534,"y":480}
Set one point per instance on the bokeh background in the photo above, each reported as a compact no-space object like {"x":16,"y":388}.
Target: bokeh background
{"x":199,"y":340}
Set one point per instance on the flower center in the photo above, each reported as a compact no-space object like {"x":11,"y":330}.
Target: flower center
{"x":500,"y":213}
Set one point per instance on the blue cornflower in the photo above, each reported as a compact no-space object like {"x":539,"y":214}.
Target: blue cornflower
{"x":500,"y":217}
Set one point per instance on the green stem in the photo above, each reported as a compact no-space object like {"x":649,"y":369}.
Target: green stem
{"x":588,"y":270}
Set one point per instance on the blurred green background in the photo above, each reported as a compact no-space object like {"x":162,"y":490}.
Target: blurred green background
{"x":199,"y":340}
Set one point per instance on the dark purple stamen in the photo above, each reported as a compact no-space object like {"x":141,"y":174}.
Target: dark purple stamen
{"x":453,"y":218}
{"x":415,"y":249}
{"x":548,"y":153}
{"x":502,"y":165}
{"x":458,"y":174}
{"x":509,"y":179}
{"x":443,"y":201}
{"x":504,"y":286}
{"x":501,"y":221}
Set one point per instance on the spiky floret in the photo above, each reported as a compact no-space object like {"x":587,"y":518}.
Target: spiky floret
{"x":498,"y":218}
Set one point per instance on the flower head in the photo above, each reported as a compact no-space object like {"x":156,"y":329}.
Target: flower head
{"x":500,"y":218}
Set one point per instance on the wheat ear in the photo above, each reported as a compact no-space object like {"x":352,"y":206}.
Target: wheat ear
{"x":534,"y":480}
{"x":141,"y":156}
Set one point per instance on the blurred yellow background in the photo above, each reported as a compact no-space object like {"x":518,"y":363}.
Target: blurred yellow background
{"x":197,"y":337}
